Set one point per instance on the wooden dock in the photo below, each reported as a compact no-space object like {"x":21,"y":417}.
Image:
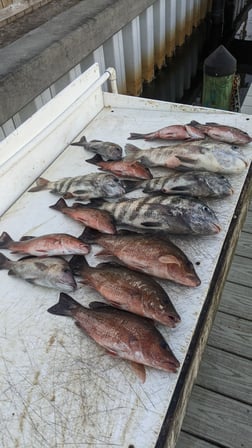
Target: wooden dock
{"x":219,"y":412}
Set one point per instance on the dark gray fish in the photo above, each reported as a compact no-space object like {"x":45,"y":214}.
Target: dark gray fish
{"x":52,"y":272}
{"x":107,"y":150}
{"x":93,"y":185}
{"x":223,"y":133}
{"x":172,"y":214}
{"x":190,"y":183}
{"x":189,"y":156}
{"x":123,"y":334}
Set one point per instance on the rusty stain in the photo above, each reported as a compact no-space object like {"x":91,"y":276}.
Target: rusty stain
{"x":50,"y":342}
{"x":28,"y":402}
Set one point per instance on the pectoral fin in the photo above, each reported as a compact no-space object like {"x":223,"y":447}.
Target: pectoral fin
{"x":139,"y":370}
{"x":169,"y":259}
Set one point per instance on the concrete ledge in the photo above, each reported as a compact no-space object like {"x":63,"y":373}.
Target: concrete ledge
{"x":35,"y":61}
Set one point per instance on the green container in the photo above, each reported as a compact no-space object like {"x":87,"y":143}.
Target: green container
{"x":217,"y":91}
{"x":218,"y":79}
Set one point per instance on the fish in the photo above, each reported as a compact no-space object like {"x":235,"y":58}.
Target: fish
{"x":172,"y":132}
{"x":45,"y":245}
{"x":223,"y":133}
{"x":121,"y":334}
{"x":122,"y":168}
{"x":51,"y":272}
{"x":91,"y":185}
{"x":129,"y":290}
{"x":151,"y":254}
{"x":192,"y":183}
{"x":90,"y":217}
{"x":172,"y":214}
{"x":107,"y":150}
{"x":189,"y":156}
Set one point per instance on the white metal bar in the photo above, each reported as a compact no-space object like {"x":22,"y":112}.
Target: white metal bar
{"x":147,"y":43}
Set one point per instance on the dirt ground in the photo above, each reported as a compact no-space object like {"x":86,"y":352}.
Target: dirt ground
{"x":14,"y":30}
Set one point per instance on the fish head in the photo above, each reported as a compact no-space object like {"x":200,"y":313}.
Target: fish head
{"x":217,"y":184}
{"x":181,"y":271}
{"x":112,"y":186}
{"x":162,"y":356}
{"x":201,"y":219}
{"x":61,"y":276}
{"x":112,"y":151}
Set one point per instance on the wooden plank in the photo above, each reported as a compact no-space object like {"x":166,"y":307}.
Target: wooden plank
{"x":241,"y":271}
{"x":188,"y":441}
{"x":236,"y":300}
{"x":226,"y":373}
{"x":225,"y":421}
{"x":247,"y":225}
{"x":244,"y":246}
{"x":230,"y":333}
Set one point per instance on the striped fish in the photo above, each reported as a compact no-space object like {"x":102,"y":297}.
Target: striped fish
{"x":93,"y":185}
{"x":173,"y":214}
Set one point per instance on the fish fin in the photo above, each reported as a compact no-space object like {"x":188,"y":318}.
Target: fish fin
{"x":169,"y":259}
{"x":212,"y":123}
{"x":103,"y":253}
{"x":130,"y":185}
{"x":12,"y":272}
{"x":95,"y":160}
{"x":96,"y":305}
{"x":78,"y":263}
{"x":4,"y":261}
{"x":41,"y":184}
{"x":89,"y":235}
{"x":186,"y":160}
{"x":59,"y":204}
{"x":5,"y":240}
{"x":81,"y":142}
{"x":193,"y":123}
{"x":130,"y":151}
{"x":136,"y":136}
{"x":150,"y":224}
{"x":65,"y":305}
{"x":139,"y":370}
{"x":27,"y":237}
{"x":40,"y":265}
{"x":68,"y":195}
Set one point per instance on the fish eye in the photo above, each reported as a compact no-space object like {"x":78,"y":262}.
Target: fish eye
{"x":163,"y":344}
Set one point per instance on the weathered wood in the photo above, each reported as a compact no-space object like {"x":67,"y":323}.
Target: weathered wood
{"x":247,"y":225}
{"x":244,"y":246}
{"x":225,"y":421}
{"x":226,"y":373}
{"x":241,"y":271}
{"x":230,"y":333}
{"x":236,"y":300}
{"x":188,"y":441}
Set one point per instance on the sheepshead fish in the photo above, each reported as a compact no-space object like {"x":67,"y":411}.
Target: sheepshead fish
{"x":107,"y":150}
{"x":129,"y":290}
{"x":173,"y":132}
{"x":45,"y":245}
{"x":52,"y":272}
{"x":150,"y":254}
{"x":121,"y":333}
{"x":122,"y":168}
{"x":93,"y":185}
{"x":223,"y":133}
{"x":189,"y":156}
{"x":172,"y":214}
{"x":90,"y":217}
{"x":190,"y":183}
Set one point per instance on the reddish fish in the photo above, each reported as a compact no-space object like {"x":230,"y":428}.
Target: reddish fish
{"x":227,"y":134}
{"x":173,"y":132}
{"x":96,"y":219}
{"x":121,"y":333}
{"x":131,"y":291}
{"x":52,"y":244}
{"x":150,"y":254}
{"x":122,"y":168}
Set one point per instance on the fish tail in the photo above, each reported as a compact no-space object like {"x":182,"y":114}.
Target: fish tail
{"x":130,"y":185}
{"x":65,"y":306}
{"x":194,"y":123}
{"x":59,"y":205}
{"x":136,"y":136}
{"x":131,"y":151}
{"x":5,"y":240}
{"x":41,"y":184}
{"x":81,"y":142}
{"x":78,"y":263}
{"x":4,"y":262}
{"x":89,"y":235}
{"x":95,"y":160}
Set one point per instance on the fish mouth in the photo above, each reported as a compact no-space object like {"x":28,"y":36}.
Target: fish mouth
{"x":216,"y":228}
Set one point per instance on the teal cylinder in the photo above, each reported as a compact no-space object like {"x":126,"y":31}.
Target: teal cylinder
{"x":218,"y":79}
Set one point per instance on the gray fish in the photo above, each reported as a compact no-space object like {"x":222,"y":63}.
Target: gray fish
{"x":93,"y":185}
{"x":172,"y":214}
{"x":52,"y":272}
{"x":189,"y":156}
{"x":129,"y":290}
{"x":123,"y":334}
{"x":223,"y":133}
{"x":107,"y":150}
{"x":191,"y":183}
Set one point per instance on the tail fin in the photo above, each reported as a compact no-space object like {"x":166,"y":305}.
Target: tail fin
{"x":81,"y":142}
{"x":41,"y":184}
{"x":136,"y":136}
{"x":130,"y":185}
{"x":89,"y":235}
{"x":65,"y":306}
{"x":194,"y":123}
{"x":5,"y":240}
{"x":4,"y":262}
{"x":131,"y":152}
{"x":59,"y":205}
{"x":78,"y":263}
{"x":95,"y":160}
